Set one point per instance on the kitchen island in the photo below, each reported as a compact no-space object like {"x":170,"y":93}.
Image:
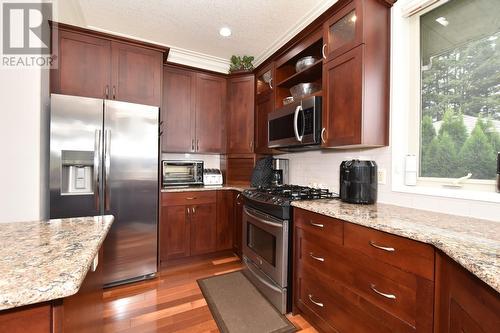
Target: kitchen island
{"x":51,"y":273}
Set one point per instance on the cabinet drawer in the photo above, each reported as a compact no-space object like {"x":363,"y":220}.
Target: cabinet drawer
{"x":319,"y":225}
{"x":406,"y":254}
{"x":188,"y":198}
{"x":342,"y":309}
{"x":320,"y":254}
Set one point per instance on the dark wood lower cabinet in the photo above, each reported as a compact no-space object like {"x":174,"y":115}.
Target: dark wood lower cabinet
{"x":79,"y":313}
{"x":203,"y":219}
{"x":197,"y":223}
{"x":238,"y":223}
{"x":463,"y":303}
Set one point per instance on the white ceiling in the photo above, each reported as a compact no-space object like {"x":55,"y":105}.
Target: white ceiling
{"x":190,"y":27}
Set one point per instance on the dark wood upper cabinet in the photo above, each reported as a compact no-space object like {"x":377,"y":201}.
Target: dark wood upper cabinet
{"x":463,"y":303}
{"x":344,"y":30}
{"x":84,"y":66}
{"x":210,"y":104}
{"x":240,"y":114}
{"x":356,"y":76}
{"x":192,"y":111}
{"x":343,"y":99}
{"x":203,"y":229}
{"x":178,"y":110}
{"x":99,"y":65}
{"x":136,"y":74}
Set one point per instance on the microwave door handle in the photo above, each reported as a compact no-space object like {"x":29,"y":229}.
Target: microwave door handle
{"x":303,"y":123}
{"x":296,"y":123}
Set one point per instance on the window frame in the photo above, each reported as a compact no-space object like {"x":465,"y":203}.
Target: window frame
{"x":406,"y":100}
{"x":415,"y":139}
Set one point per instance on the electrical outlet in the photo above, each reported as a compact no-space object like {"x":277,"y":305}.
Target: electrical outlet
{"x":382,"y":176}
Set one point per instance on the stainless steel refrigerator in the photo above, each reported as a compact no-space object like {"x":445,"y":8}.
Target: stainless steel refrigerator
{"x":104,"y":160}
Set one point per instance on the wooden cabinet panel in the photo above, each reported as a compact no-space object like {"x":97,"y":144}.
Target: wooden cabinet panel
{"x":463,"y":302}
{"x":174,"y":233}
{"x":203,"y":228}
{"x":240,"y":115}
{"x":225,"y":220}
{"x":238,"y":170}
{"x":32,"y":318}
{"x":84,"y":66}
{"x":177,"y":111}
{"x":406,"y":254}
{"x":319,"y":225}
{"x":83,"y":312}
{"x":264,"y":106}
{"x":188,"y":198}
{"x":210,"y":97}
{"x":343,"y":105}
{"x":136,"y":74}
{"x":344,"y":30}
{"x":238,"y":223}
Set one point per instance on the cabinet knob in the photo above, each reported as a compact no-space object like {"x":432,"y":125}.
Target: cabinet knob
{"x":384,"y":248}
{"x":114,"y":92}
{"x":194,"y":210}
{"x":106,"y":92}
{"x":323,"y":132}
{"x":323,"y":51}
{"x":197,"y":144}
{"x":314,"y":302}
{"x":192,"y":145}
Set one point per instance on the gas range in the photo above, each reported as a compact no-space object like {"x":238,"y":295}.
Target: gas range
{"x":275,"y":200}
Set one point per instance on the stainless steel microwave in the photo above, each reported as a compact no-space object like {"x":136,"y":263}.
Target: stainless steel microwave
{"x":297,"y":125}
{"x":182,"y":173}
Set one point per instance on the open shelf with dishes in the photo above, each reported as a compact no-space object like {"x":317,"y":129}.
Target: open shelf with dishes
{"x":299,"y":71}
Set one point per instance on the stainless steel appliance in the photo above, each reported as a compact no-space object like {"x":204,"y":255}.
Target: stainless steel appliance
{"x":212,"y":177}
{"x":267,"y":241}
{"x":358,"y":181}
{"x":104,"y":160}
{"x":182,"y":173}
{"x":297,"y":125}
{"x":280,"y":171}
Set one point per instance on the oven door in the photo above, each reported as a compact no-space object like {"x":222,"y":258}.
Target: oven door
{"x":265,"y":243}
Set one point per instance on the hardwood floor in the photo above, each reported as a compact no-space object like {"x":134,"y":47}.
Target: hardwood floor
{"x":172,"y":302}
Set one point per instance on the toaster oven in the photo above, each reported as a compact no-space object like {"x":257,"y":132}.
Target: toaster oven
{"x":182,"y":173}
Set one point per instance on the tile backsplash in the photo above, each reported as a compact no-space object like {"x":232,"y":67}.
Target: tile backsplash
{"x":322,"y":168}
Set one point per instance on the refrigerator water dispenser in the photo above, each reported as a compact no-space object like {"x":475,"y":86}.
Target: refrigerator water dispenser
{"x":77,"y":171}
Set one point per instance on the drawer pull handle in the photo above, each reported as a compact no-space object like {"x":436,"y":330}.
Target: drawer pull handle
{"x":314,"y":302}
{"x":316,"y":258}
{"x":390,"y":296}
{"x":388,"y":249}
{"x":316,"y":224}
{"x":191,"y":198}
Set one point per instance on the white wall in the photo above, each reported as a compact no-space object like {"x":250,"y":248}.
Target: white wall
{"x":23,"y":132}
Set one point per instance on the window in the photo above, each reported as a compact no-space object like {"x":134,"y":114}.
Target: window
{"x":458,"y":106}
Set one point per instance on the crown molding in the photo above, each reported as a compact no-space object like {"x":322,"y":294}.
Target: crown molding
{"x":200,"y":60}
{"x":310,"y":16}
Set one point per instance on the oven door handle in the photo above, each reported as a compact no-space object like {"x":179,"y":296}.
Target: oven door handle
{"x":272,"y":224}
{"x":296,"y":124}
{"x":266,"y":283}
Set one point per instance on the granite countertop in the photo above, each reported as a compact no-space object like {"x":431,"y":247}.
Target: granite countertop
{"x":205,"y":188}
{"x":46,"y":260}
{"x":473,"y":243}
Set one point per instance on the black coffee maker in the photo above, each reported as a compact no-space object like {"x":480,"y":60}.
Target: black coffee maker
{"x":358,"y":181}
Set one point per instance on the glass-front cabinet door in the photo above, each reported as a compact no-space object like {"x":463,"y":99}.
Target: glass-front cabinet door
{"x":343,"y":31}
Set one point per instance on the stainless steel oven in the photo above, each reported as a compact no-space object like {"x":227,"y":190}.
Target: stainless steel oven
{"x":265,"y":254}
{"x":296,"y":125}
{"x":182,"y":173}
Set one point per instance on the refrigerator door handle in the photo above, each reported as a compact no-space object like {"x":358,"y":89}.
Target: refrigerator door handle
{"x":107,"y":165}
{"x":97,"y":166}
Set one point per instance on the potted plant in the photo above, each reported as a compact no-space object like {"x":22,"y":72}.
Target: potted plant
{"x":241,"y":64}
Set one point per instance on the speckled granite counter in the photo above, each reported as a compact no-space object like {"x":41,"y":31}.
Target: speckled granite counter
{"x":473,"y":243}
{"x":46,"y":260}
{"x":204,"y":188}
